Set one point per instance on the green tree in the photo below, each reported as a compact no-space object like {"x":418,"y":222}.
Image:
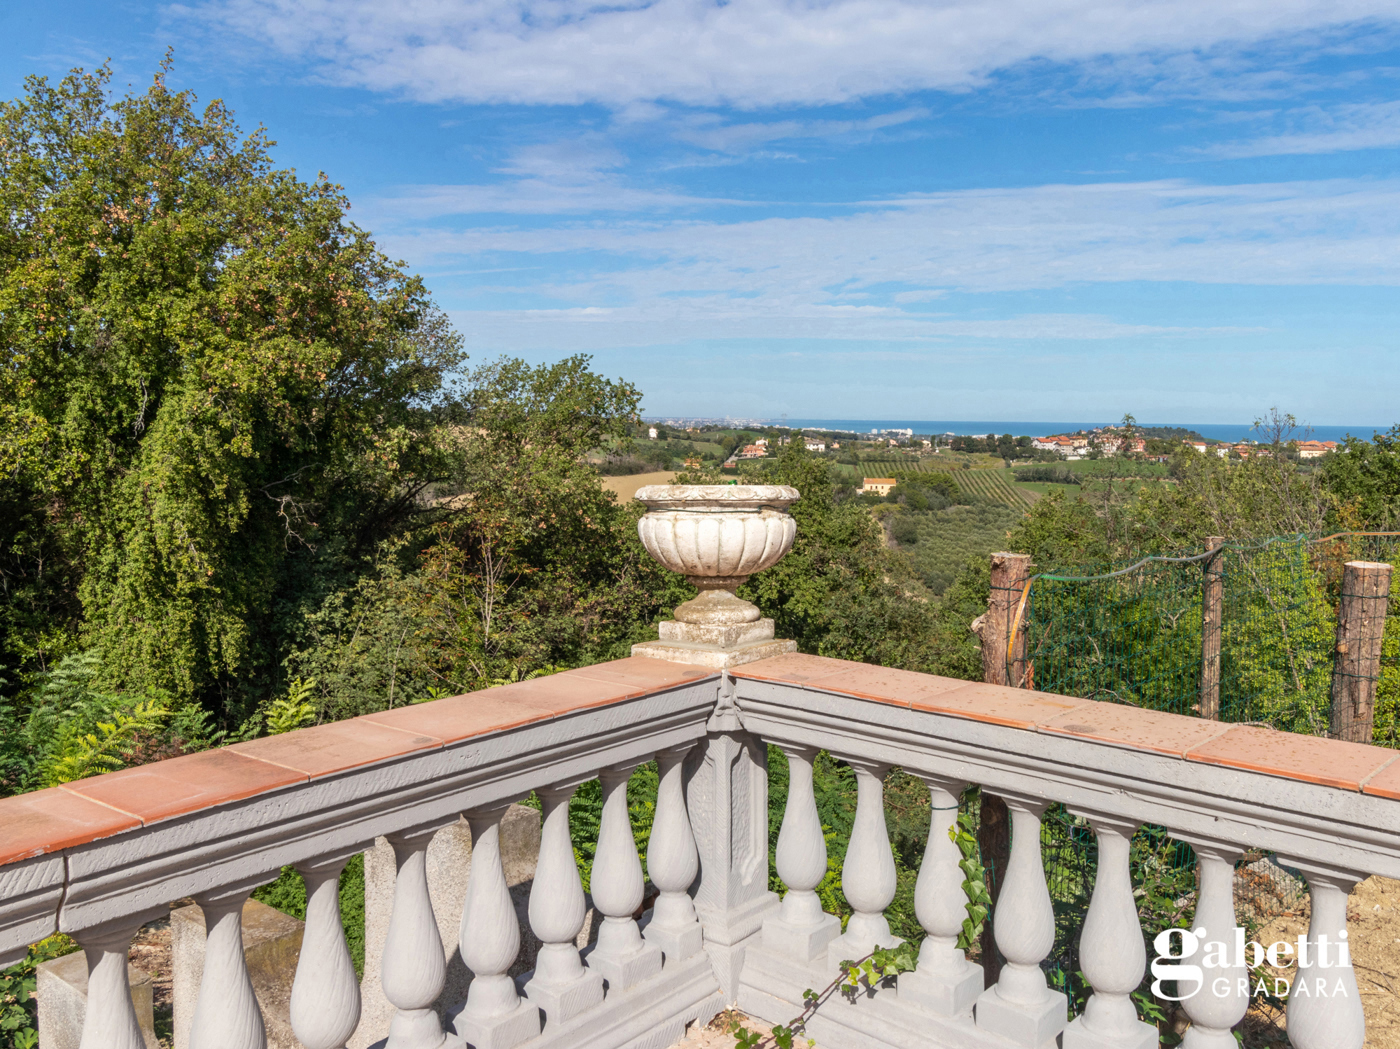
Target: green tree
{"x":213,"y":386}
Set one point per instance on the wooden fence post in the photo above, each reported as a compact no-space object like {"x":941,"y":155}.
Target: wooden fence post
{"x":1009,"y":575}
{"x":1360,"y":631}
{"x":1212,"y":609}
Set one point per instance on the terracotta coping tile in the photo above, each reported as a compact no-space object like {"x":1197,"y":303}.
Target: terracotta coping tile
{"x":1386,"y":782}
{"x":48,"y":820}
{"x":340,"y":745}
{"x":462,"y":717}
{"x":1128,"y":726}
{"x":644,"y":674}
{"x":796,"y":667}
{"x":884,"y":684}
{"x":178,"y":785}
{"x":571,"y":691}
{"x":1331,"y":762}
{"x":996,"y":704}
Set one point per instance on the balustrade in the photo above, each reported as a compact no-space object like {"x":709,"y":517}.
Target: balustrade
{"x":325,"y":1006}
{"x":560,"y":984}
{"x":801,"y":929}
{"x":493,"y":1016}
{"x":945,"y":981}
{"x":646,"y":980}
{"x":621,"y":956}
{"x":227,"y":1015}
{"x":673,"y":862}
{"x":1112,"y":954}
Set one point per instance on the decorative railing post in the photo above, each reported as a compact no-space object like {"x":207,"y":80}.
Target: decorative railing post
{"x":801,"y":929}
{"x":1020,"y":1005}
{"x":560,"y":984}
{"x":227,"y":1015}
{"x":414,"y":967}
{"x":110,"y":1021}
{"x":1223,"y":997}
{"x":717,"y":536}
{"x":673,"y":863}
{"x":620,"y":955}
{"x":945,"y":981}
{"x":493,"y":1016}
{"x":325,"y":1006}
{"x":1111,"y":950}
{"x":868,"y":875}
{"x":1324,"y":1003}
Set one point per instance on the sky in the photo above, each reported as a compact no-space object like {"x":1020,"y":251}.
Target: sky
{"x":1001,"y":209}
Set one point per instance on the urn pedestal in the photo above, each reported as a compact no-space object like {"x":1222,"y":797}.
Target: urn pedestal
{"x":716,"y":536}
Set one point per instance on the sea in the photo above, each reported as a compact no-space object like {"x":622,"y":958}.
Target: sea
{"x":980,"y":427}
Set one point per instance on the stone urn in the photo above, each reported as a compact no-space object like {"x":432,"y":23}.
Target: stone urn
{"x":716,"y":536}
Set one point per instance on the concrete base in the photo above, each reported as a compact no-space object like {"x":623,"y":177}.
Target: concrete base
{"x":624,"y":971}
{"x":947,"y":994}
{"x":560,"y":1003}
{"x":499,"y":1032}
{"x":1077,"y":1036}
{"x":720,"y":635}
{"x":802,"y":943}
{"x":271,"y":946}
{"x":675,"y":944}
{"x":713,"y":656}
{"x":842,"y":950}
{"x":62,"y":991}
{"x":1029,"y":1026}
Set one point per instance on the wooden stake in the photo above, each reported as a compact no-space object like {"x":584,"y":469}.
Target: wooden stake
{"x":1212,"y":611}
{"x":1360,"y":631}
{"x":1009,"y":575}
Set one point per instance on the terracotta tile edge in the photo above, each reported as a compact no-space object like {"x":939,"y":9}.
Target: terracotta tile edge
{"x":437,"y":743}
{"x":1318,"y":780}
{"x":1367,"y":781}
{"x":305,"y":776}
{"x":1045,"y":727}
{"x":67,"y":789}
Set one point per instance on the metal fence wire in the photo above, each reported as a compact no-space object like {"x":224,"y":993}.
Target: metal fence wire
{"x":1138,"y":633}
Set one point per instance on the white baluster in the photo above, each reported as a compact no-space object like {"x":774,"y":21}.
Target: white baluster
{"x":621,"y":955}
{"x":868,"y":875}
{"x":945,"y":981}
{"x":1111,"y":952}
{"x":673,"y":863}
{"x":801,"y":930}
{"x":110,"y":1020}
{"x":560,"y":985}
{"x":493,"y":1016}
{"x":1020,"y":1006}
{"x":1223,"y":997}
{"x":226,"y":1015}
{"x":413,"y":965}
{"x":1324,"y":1005}
{"x":325,"y":1007}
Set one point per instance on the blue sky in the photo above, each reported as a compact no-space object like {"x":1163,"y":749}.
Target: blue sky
{"x":1002,"y":209}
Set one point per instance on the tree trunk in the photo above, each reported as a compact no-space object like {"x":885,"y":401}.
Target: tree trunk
{"x":1212,"y":610}
{"x":1360,"y":631}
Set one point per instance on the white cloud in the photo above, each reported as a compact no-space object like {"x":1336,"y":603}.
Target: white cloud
{"x":877,"y":273}
{"x":750,"y":53}
{"x":1322,"y":129}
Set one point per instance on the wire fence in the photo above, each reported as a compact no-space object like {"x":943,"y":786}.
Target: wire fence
{"x":1140,"y":634}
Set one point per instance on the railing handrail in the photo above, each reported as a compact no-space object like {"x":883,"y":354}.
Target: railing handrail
{"x":1059,"y":749}
{"x":574,"y":724}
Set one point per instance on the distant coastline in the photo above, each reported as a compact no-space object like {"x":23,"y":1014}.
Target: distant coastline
{"x":1210,"y":431}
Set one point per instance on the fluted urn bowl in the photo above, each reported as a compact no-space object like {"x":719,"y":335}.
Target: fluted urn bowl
{"x":717,"y":535}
